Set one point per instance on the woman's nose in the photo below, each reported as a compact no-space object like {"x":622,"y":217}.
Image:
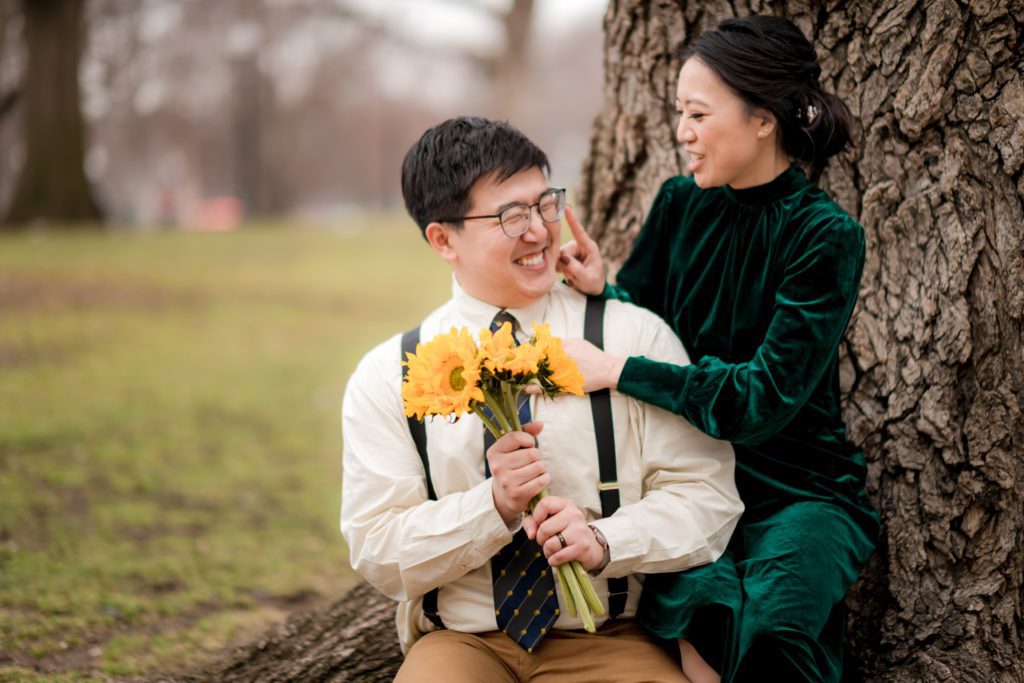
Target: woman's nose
{"x":684,"y":133}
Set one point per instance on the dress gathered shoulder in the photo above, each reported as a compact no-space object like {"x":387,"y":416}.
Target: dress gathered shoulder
{"x":759,"y":284}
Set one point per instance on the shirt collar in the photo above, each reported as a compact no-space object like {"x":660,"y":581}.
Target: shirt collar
{"x":479,"y":314}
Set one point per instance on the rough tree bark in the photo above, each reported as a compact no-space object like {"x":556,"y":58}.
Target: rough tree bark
{"x":353,"y":640}
{"x":934,"y":356}
{"x":52,"y":183}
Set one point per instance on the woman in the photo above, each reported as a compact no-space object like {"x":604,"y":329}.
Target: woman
{"x":757,"y":270}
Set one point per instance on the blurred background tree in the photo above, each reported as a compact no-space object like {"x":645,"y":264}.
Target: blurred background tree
{"x":290,"y":107}
{"x":51,"y":182}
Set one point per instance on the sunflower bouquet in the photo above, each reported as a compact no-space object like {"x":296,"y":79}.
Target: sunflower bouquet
{"x":452,"y":375}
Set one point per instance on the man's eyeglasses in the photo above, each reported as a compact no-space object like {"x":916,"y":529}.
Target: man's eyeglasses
{"x":515,"y":220}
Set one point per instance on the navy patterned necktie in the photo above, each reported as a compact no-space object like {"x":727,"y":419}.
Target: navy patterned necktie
{"x":525,"y":602}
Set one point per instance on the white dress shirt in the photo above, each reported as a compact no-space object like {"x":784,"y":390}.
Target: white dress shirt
{"x":679,"y":503}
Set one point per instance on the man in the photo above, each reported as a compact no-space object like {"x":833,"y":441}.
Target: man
{"x":445,"y":546}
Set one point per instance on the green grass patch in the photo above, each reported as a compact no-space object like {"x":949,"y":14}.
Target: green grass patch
{"x":170,"y":440}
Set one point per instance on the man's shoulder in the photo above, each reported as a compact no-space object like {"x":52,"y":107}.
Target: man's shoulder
{"x":626,"y":313}
{"x":384,"y":359}
{"x":629,"y":329}
{"x":619,"y":312}
{"x":636,"y":331}
{"x":381,"y":364}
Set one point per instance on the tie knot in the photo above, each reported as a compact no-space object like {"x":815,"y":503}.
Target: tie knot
{"x":501,"y":318}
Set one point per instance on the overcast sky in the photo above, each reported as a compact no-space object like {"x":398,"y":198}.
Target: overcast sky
{"x":455,"y":21}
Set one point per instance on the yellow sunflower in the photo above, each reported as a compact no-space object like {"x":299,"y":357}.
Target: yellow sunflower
{"x":444,"y":376}
{"x":499,"y":354}
{"x":558,"y":371}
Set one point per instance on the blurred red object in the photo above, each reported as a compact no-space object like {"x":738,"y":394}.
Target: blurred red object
{"x":217,"y":214}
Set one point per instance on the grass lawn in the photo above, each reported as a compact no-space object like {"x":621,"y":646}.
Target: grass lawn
{"x":169,"y":433}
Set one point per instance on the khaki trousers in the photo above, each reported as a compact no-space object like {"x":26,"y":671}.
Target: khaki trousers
{"x":620,"y":651}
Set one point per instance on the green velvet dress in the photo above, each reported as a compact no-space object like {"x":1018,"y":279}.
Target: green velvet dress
{"x":759,"y":285}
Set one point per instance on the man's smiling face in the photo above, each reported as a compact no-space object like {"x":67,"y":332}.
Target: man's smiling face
{"x":508,"y":272}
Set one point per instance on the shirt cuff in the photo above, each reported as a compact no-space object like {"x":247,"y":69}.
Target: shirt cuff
{"x":624,"y":546}
{"x":482,"y":496}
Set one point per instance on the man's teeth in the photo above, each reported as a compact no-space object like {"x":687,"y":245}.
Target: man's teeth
{"x":534,"y":260}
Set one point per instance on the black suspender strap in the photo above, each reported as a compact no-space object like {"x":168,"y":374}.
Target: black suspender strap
{"x":601,"y":408}
{"x":419,"y":437}
{"x":419,"y":431}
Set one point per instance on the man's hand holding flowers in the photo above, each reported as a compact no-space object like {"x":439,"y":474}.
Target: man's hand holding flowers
{"x":518,"y":472}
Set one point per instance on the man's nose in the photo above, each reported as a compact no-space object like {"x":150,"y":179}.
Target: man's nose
{"x":537,"y":229}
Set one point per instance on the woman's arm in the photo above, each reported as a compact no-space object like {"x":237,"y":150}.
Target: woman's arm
{"x":750,"y":401}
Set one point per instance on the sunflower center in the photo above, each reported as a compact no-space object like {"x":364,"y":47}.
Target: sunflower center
{"x":455,"y":380}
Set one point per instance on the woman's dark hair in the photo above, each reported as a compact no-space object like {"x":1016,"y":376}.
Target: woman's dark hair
{"x":769,"y":63}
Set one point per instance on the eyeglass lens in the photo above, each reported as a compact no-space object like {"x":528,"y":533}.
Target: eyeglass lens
{"x":515,"y":220}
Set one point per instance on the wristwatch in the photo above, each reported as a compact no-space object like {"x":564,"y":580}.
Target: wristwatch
{"x":607,"y":551}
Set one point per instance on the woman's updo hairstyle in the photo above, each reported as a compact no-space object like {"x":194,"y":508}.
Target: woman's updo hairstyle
{"x":769,"y":63}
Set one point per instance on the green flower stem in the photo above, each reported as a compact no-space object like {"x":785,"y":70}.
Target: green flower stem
{"x":511,"y":398}
{"x":496,"y":409}
{"x":566,"y":593}
{"x":588,"y":588}
{"x":581,"y":604}
{"x":488,"y":422}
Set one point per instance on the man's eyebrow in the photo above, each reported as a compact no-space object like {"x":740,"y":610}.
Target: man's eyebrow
{"x":508,"y":205}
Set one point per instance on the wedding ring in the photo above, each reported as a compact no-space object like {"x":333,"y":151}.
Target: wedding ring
{"x":561,"y":539}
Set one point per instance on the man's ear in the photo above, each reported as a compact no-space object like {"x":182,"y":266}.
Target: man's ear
{"x":440,"y":237}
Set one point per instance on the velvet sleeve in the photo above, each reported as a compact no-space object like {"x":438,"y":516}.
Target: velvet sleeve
{"x":750,"y":401}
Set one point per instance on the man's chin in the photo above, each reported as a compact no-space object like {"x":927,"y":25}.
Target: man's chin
{"x":530,"y":292}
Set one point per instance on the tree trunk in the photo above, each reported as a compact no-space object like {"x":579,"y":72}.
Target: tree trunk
{"x":52,"y":184}
{"x":934,"y":358}
{"x":352,"y":640}
{"x":513,"y":90}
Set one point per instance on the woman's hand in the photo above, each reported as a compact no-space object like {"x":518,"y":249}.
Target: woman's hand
{"x":600,"y":370}
{"x":580,"y":260}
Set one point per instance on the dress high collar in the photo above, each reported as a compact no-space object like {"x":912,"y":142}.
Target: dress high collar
{"x":785,"y":184}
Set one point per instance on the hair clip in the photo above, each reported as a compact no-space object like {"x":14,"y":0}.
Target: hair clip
{"x":811,"y":113}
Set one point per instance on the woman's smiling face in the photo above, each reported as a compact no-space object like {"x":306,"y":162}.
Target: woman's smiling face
{"x":726,"y":141}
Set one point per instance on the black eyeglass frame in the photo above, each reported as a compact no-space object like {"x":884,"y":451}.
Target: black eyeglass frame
{"x":529,"y":207}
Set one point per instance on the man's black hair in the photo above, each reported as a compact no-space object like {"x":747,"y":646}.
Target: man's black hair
{"x":440,"y":169}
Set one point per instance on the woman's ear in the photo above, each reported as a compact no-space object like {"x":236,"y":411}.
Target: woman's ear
{"x":767,"y":122}
{"x":442,"y":239}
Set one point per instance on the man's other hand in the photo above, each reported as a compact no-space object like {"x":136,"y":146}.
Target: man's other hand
{"x":556,"y":516}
